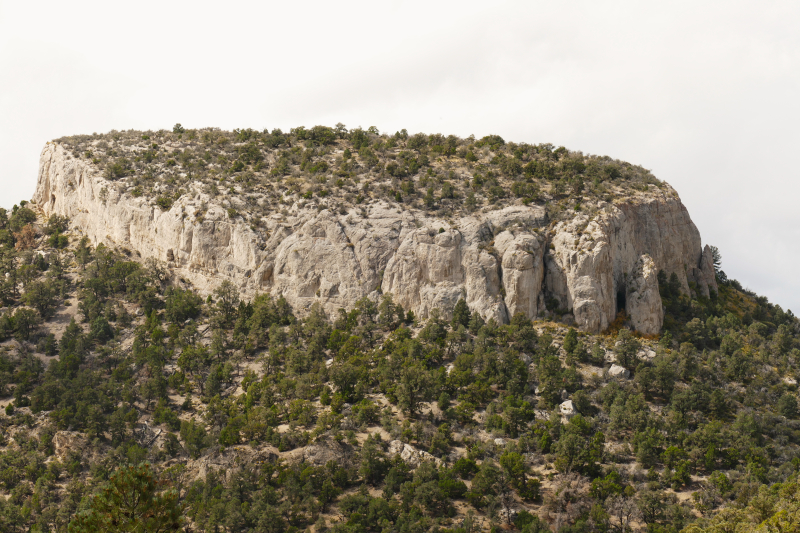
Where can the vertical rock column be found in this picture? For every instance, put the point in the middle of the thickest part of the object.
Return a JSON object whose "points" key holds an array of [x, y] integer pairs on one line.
{"points": [[643, 300]]}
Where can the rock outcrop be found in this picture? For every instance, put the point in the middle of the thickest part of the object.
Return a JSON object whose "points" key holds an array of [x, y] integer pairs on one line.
{"points": [[643, 299], [567, 410], [617, 371], [412, 456], [501, 262]]}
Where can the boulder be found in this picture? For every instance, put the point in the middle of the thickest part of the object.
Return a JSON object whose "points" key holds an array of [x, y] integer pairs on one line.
{"points": [[646, 354], [617, 371], [229, 461], [320, 454], [567, 410], [412, 456]]}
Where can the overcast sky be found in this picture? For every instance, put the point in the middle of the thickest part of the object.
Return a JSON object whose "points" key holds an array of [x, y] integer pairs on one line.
{"points": [[703, 94]]}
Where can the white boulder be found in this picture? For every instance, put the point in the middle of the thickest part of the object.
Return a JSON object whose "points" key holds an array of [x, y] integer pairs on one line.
{"points": [[617, 371]]}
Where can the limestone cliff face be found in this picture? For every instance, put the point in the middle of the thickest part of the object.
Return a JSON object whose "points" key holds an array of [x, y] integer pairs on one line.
{"points": [[594, 263], [501, 262]]}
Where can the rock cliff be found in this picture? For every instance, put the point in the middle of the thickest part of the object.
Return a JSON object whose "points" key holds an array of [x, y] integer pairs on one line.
{"points": [[501, 261]]}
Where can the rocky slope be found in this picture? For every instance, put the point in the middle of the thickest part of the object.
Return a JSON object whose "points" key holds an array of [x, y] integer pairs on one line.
{"points": [[515, 259], [254, 416]]}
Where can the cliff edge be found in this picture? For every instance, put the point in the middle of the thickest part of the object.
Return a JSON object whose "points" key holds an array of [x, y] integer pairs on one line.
{"points": [[588, 261]]}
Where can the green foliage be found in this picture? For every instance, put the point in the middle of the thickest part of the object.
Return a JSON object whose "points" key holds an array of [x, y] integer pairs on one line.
{"points": [[164, 202], [494, 142], [775, 508], [787, 406], [101, 330], [118, 169], [182, 305], [20, 217], [195, 438], [57, 240], [56, 224], [25, 322], [626, 348], [42, 296], [461, 314], [134, 499], [236, 375], [570, 341], [579, 448]]}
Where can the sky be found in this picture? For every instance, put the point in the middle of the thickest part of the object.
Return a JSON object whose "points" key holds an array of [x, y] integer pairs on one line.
{"points": [[704, 94]]}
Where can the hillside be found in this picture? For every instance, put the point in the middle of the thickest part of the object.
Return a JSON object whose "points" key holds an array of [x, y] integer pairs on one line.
{"points": [[238, 407]]}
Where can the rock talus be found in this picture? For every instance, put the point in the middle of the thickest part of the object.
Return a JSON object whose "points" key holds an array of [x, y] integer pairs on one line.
{"points": [[501, 262]]}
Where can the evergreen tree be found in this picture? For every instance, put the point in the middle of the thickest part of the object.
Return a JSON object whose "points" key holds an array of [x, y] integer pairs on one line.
{"points": [[461, 314], [133, 501]]}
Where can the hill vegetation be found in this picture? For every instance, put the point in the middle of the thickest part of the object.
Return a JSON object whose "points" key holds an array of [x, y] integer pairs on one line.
{"points": [[131, 402], [257, 173]]}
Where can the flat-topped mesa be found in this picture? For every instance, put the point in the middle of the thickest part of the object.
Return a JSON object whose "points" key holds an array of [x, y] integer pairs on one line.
{"points": [[502, 262]]}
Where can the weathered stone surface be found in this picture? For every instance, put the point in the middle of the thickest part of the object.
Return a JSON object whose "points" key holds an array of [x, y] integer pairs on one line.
{"points": [[617, 371], [643, 300], [567, 409], [704, 275], [501, 262], [65, 442], [646, 354], [523, 271], [319, 455], [227, 462], [412, 456], [587, 266]]}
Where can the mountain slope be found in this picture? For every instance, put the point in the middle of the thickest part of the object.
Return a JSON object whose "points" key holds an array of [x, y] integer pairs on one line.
{"points": [[243, 413]]}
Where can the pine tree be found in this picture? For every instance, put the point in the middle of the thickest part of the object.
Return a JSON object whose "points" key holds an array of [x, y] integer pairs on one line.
{"points": [[461, 314], [133, 500]]}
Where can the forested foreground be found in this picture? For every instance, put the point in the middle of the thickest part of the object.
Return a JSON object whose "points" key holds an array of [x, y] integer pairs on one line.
{"points": [[131, 402]]}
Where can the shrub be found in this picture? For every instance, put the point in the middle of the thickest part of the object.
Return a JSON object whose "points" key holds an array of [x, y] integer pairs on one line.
{"points": [[787, 406], [134, 499], [56, 224], [25, 322], [118, 169], [194, 437], [417, 142], [58, 241], [20, 217], [182, 305], [164, 202], [25, 238], [101, 330], [465, 468], [359, 138], [494, 142]]}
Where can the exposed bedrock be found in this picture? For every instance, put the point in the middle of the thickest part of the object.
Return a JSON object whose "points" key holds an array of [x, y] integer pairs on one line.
{"points": [[501, 262]]}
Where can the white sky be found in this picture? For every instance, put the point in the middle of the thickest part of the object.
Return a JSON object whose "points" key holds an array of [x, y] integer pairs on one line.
{"points": [[703, 93]]}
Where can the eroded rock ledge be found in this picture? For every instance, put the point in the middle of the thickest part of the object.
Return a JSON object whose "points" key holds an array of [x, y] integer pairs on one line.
{"points": [[501, 262]]}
